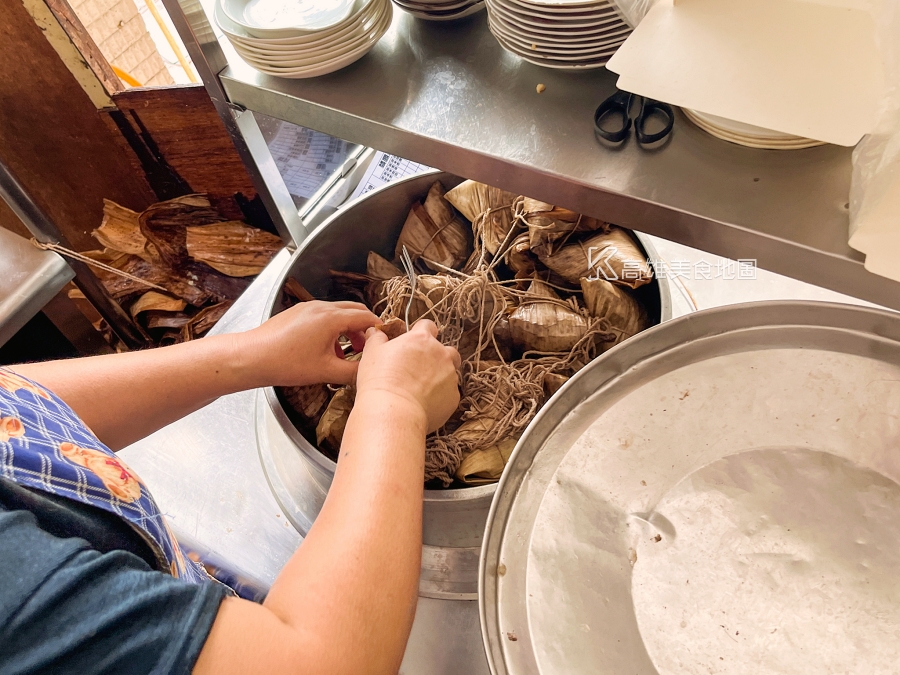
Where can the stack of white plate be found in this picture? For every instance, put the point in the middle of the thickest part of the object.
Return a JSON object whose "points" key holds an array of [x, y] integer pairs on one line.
{"points": [[440, 10], [747, 134], [562, 34], [305, 38]]}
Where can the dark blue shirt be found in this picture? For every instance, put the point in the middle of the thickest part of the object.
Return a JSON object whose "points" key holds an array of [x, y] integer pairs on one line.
{"points": [[70, 606]]}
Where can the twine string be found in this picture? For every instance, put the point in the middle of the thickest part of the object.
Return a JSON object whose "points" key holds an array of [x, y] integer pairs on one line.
{"points": [[75, 255]]}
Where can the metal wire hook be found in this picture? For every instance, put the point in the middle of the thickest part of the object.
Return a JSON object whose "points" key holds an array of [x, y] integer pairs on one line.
{"points": [[407, 263]]}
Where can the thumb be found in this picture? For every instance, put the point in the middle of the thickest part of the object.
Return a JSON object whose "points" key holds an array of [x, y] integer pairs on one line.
{"points": [[375, 337]]}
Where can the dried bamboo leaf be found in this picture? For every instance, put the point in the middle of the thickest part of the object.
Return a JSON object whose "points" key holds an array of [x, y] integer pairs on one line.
{"points": [[612, 255], [393, 328], [165, 224], [296, 290], [158, 301], [444, 241], [625, 315], [308, 402], [158, 319], [206, 318], [487, 207], [545, 326], [485, 466], [378, 267], [331, 426], [232, 247], [120, 287], [120, 230], [519, 257], [552, 382]]}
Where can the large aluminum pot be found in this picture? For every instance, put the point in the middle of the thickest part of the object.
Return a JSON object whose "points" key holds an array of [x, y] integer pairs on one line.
{"points": [[299, 474]]}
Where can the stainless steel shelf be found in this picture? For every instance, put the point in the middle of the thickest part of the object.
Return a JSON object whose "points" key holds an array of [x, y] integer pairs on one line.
{"points": [[447, 95]]}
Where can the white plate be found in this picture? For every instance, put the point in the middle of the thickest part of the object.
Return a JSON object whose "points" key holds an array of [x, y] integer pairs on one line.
{"points": [[351, 34], [473, 9], [555, 51], [530, 20], [563, 9], [303, 61], [306, 59], [554, 64], [428, 7], [437, 6], [263, 18], [288, 36], [788, 143], [568, 14], [740, 128], [330, 65], [541, 40]]}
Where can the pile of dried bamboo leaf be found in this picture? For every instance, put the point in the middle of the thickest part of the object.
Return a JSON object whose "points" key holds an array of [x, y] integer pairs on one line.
{"points": [[186, 264], [528, 292]]}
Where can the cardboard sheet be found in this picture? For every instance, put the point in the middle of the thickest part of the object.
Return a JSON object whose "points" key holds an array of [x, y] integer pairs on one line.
{"points": [[801, 67]]}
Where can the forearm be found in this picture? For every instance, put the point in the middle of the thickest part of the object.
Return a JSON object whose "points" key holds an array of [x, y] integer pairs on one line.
{"points": [[355, 577], [125, 397]]}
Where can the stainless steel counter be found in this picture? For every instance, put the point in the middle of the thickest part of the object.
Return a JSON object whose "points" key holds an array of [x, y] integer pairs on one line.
{"points": [[447, 95], [29, 278]]}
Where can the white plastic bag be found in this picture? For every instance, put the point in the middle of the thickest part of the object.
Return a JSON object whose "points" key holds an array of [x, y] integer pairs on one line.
{"points": [[634, 10], [875, 185]]}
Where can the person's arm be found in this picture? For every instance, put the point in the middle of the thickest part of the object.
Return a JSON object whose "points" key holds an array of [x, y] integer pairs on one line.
{"points": [[125, 397], [344, 603]]}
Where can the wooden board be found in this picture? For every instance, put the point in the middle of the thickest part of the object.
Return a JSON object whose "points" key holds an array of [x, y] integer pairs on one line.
{"points": [[187, 134], [52, 136]]}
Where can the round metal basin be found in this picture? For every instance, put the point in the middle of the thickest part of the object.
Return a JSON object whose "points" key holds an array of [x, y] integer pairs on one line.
{"points": [[716, 495], [299, 474]]}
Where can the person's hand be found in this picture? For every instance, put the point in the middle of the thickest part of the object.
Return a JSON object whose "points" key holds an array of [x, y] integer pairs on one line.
{"points": [[414, 367], [299, 346]]}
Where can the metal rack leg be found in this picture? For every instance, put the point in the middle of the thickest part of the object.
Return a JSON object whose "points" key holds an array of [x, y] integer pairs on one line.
{"points": [[191, 22]]}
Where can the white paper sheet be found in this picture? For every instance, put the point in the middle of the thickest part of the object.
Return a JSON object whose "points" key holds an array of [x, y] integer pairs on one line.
{"points": [[384, 169], [796, 66], [306, 158]]}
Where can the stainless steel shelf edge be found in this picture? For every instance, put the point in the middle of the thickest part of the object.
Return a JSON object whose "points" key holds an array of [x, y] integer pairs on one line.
{"points": [[450, 97]]}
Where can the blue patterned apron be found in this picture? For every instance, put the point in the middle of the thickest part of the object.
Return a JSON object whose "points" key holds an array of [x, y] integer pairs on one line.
{"points": [[44, 445]]}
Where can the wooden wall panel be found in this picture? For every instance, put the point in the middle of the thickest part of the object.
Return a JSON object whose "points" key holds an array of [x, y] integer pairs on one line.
{"points": [[52, 136], [188, 135]]}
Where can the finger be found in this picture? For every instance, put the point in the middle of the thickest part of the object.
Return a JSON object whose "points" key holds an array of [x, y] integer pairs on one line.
{"points": [[349, 304], [454, 354], [427, 326], [356, 321], [375, 337], [358, 340]]}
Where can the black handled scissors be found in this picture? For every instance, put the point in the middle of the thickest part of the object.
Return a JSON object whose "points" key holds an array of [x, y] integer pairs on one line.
{"points": [[621, 103]]}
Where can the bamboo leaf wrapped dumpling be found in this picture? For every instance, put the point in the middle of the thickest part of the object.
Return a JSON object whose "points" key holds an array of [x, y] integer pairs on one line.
{"points": [[626, 316], [549, 225], [545, 325], [612, 255], [434, 233], [477, 202]]}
